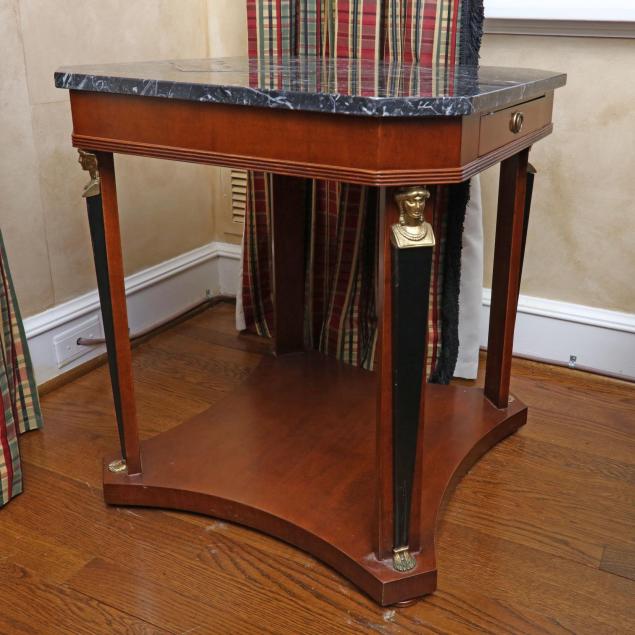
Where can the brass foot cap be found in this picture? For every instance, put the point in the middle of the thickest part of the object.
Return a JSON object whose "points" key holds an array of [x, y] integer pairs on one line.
{"points": [[405, 603], [403, 560], [117, 466]]}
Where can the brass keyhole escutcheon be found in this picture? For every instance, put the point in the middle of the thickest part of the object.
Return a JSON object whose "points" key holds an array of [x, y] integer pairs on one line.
{"points": [[516, 123]]}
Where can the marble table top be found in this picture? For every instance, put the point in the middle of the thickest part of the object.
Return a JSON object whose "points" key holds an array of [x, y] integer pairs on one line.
{"points": [[353, 87]]}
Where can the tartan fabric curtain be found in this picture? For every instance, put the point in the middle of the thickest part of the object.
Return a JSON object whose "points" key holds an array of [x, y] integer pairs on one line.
{"points": [[342, 248], [19, 404]]}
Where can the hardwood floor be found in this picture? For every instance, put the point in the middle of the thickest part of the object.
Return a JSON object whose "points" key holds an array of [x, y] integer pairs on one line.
{"points": [[538, 538]]}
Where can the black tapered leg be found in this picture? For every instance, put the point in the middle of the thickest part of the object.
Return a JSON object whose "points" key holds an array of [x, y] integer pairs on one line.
{"points": [[411, 269], [98, 239], [531, 175]]}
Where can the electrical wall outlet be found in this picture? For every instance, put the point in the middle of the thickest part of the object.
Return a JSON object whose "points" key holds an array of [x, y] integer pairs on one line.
{"points": [[66, 348]]}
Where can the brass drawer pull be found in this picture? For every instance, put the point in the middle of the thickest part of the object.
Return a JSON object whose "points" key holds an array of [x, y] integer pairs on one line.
{"points": [[510, 124], [516, 122]]}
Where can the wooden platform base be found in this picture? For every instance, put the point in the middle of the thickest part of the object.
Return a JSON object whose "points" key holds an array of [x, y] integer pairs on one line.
{"points": [[291, 453]]}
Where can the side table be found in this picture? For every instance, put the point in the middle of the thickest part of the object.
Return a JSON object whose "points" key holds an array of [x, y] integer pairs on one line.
{"points": [[350, 465]]}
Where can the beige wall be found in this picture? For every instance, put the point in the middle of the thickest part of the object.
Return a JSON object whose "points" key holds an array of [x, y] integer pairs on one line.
{"points": [[227, 38], [166, 208], [580, 246], [21, 216]]}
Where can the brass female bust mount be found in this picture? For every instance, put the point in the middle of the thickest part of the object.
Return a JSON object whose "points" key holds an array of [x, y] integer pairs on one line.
{"points": [[88, 161], [412, 229]]}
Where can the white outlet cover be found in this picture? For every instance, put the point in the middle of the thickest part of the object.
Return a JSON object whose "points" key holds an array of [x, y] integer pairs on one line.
{"points": [[65, 343]]}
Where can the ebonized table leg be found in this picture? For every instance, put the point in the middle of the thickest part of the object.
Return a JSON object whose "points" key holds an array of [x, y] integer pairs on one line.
{"points": [[106, 242], [529, 190], [511, 226], [98, 240], [404, 335]]}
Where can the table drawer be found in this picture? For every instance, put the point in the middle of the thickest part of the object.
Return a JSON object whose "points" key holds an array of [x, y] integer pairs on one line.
{"points": [[503, 126]]}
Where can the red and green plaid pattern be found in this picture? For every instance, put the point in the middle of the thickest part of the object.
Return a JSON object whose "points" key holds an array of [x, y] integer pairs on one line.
{"points": [[355, 29], [424, 31], [341, 268], [257, 287], [341, 272], [19, 404], [271, 28]]}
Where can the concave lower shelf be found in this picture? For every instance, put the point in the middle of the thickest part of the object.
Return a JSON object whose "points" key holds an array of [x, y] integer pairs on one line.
{"points": [[291, 452]]}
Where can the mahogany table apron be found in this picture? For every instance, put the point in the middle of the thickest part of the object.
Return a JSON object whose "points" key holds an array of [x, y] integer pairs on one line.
{"points": [[350, 465]]}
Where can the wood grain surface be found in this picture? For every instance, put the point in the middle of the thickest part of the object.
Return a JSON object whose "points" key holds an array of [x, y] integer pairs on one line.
{"points": [[537, 538], [290, 452], [508, 253], [378, 150], [289, 261]]}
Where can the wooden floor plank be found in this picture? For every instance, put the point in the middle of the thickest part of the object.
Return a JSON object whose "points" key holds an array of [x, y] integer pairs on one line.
{"points": [[538, 537], [619, 560], [566, 512], [181, 608], [35, 607], [580, 598], [35, 552]]}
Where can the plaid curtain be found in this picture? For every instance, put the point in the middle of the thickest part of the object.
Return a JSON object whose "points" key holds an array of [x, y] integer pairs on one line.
{"points": [[341, 267], [19, 404]]}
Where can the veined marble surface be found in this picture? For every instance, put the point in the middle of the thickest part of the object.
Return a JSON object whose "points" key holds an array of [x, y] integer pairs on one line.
{"points": [[353, 87]]}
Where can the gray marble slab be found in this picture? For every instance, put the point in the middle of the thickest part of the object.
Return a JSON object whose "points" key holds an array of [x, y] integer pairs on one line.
{"points": [[352, 87]]}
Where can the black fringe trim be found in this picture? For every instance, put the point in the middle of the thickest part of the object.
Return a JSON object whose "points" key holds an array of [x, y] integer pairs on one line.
{"points": [[472, 16], [458, 196]]}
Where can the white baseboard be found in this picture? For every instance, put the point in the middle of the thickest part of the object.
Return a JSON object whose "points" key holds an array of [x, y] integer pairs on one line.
{"points": [[560, 28], [153, 294], [601, 341]]}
